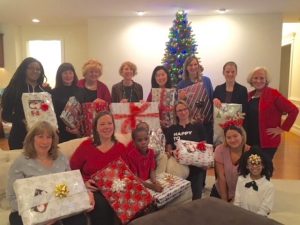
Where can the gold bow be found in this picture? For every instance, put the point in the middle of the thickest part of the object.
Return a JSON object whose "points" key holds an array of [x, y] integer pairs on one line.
{"points": [[61, 190]]}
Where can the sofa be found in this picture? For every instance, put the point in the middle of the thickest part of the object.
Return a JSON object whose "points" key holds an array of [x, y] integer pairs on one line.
{"points": [[206, 211], [67, 148]]}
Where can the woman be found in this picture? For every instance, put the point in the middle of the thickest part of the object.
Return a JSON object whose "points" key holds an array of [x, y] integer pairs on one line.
{"points": [[230, 91], [66, 87], [192, 73], [127, 90], [266, 106], [160, 79], [186, 130], [28, 78], [94, 90], [93, 155], [227, 157], [40, 157]]}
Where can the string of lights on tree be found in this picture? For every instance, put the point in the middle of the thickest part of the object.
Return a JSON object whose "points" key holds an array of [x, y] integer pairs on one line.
{"points": [[181, 44]]}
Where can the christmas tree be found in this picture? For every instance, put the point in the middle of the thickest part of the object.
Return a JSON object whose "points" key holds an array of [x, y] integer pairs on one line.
{"points": [[181, 45]]}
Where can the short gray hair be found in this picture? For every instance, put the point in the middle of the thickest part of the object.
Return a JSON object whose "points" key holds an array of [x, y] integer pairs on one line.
{"points": [[266, 72]]}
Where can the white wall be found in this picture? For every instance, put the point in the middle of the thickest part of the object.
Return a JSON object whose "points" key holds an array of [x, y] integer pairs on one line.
{"points": [[250, 40], [292, 32]]}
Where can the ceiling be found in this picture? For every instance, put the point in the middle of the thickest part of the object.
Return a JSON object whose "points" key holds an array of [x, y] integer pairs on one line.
{"points": [[53, 12]]}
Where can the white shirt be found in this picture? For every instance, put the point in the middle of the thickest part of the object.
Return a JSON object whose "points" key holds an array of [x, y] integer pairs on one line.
{"points": [[261, 201]]}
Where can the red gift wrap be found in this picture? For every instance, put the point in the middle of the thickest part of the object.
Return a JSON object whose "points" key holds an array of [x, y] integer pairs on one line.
{"points": [[123, 190], [89, 111]]}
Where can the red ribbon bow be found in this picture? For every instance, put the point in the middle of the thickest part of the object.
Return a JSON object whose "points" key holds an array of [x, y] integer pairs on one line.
{"points": [[131, 118], [201, 146], [44, 107]]}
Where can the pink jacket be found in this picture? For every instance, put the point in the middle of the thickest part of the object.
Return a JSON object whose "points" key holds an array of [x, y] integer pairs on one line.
{"points": [[272, 106]]}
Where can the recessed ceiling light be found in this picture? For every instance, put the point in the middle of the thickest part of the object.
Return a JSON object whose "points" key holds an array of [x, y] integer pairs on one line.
{"points": [[35, 20], [140, 13], [222, 10]]}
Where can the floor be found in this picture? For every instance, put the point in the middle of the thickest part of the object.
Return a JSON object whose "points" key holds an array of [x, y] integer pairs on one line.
{"points": [[286, 160]]}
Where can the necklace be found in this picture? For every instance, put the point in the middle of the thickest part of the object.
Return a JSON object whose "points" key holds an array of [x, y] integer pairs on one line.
{"points": [[125, 94]]}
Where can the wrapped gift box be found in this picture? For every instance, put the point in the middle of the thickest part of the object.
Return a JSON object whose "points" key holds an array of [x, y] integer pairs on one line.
{"points": [[166, 99], [38, 106], [173, 187], [123, 190], [127, 115], [223, 115], [193, 153], [198, 102], [54, 196], [72, 113], [157, 141], [89, 111]]}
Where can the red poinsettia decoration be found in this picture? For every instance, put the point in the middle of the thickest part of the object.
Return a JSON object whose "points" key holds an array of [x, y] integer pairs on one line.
{"points": [[201, 146], [44, 106]]}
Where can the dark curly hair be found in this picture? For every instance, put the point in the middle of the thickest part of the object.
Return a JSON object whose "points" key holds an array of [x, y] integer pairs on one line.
{"points": [[267, 170]]}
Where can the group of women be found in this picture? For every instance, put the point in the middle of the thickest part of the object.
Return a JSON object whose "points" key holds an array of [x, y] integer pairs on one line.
{"points": [[264, 107]]}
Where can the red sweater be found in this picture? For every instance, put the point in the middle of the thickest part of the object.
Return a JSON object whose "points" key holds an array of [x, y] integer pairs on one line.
{"points": [[102, 90], [272, 106], [88, 159]]}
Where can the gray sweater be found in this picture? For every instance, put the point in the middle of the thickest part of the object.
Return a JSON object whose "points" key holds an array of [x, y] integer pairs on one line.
{"points": [[24, 167]]}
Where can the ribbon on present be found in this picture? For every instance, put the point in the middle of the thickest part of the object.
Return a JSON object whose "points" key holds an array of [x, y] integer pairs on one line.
{"points": [[44, 106], [162, 107], [131, 118], [201, 146], [61, 190]]}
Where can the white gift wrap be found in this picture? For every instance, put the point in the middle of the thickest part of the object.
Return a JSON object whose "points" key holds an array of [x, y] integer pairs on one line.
{"points": [[221, 115], [188, 154], [37, 203], [157, 141], [173, 187], [34, 111], [128, 114], [72, 113]]}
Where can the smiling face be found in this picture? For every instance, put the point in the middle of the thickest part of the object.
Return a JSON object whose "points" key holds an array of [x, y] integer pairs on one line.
{"points": [[127, 72], [193, 69], [161, 78], [42, 143], [92, 75], [33, 72], [255, 169], [230, 73], [67, 77], [259, 79], [182, 112], [141, 141], [233, 139], [105, 127]]}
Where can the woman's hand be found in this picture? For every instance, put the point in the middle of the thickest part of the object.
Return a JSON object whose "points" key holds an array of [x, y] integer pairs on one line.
{"points": [[91, 185], [274, 131], [182, 95], [124, 100], [92, 201], [217, 102]]}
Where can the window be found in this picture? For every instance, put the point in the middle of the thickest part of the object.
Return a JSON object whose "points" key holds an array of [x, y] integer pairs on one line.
{"points": [[49, 53]]}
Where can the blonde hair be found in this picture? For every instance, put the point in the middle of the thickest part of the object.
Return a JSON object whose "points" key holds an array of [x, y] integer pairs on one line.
{"points": [[188, 60], [130, 65], [264, 69], [92, 64], [40, 127], [240, 130]]}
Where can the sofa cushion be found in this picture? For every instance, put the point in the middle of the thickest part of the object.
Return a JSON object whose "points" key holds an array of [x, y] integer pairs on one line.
{"points": [[208, 211]]}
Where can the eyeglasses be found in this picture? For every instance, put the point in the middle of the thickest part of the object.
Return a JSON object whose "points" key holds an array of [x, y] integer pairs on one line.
{"points": [[181, 110]]}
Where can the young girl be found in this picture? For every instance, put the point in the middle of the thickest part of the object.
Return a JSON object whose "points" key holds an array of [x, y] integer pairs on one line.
{"points": [[254, 191], [141, 159]]}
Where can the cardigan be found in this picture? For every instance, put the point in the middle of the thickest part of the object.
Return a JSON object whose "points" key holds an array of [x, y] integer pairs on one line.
{"points": [[239, 94], [117, 91], [272, 105], [102, 90]]}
